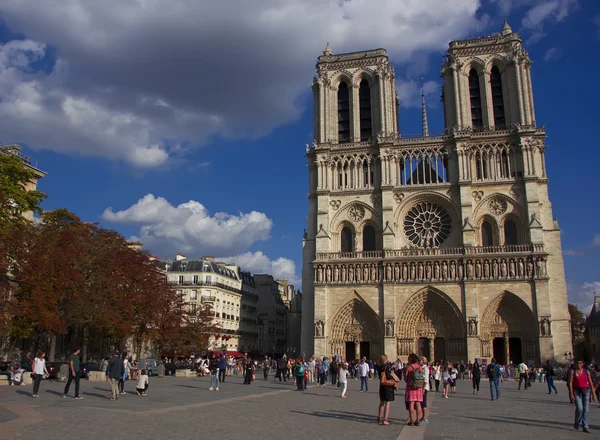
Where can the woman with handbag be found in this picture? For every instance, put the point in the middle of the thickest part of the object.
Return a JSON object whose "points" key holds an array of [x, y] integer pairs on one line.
{"points": [[39, 370], [387, 386]]}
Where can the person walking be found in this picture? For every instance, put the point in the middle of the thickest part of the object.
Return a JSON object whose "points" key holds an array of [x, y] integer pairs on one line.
{"points": [[363, 371], [114, 374], [523, 375], [445, 368], [388, 383], [222, 367], [311, 370], [299, 370], [213, 367], [343, 378], [266, 368], [320, 373], [74, 374], [581, 387], [125, 373], [494, 375], [437, 375], [415, 382], [249, 374], [476, 377], [549, 372], [426, 388], [39, 370]]}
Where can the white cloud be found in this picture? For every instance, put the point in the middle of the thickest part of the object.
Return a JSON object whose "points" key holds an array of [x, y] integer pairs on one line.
{"points": [[190, 228], [134, 78], [257, 262], [552, 54], [546, 11], [409, 92], [596, 240], [583, 295]]}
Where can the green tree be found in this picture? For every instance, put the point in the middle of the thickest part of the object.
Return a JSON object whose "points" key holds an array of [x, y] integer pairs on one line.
{"points": [[577, 323]]}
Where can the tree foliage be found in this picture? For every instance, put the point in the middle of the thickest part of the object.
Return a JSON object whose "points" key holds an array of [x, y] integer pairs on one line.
{"points": [[577, 323]]}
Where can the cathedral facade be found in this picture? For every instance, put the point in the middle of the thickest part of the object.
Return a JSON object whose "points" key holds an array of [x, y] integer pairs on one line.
{"points": [[444, 246]]}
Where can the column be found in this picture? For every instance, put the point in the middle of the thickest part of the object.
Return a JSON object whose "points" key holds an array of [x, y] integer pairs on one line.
{"points": [[431, 350], [506, 349]]}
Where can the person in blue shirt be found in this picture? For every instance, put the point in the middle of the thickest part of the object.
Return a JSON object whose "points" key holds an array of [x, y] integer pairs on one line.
{"points": [[222, 367], [494, 375]]}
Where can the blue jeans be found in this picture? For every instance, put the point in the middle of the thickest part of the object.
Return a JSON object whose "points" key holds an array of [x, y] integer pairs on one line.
{"points": [[495, 385], [364, 380], [214, 380], [582, 406], [550, 380]]}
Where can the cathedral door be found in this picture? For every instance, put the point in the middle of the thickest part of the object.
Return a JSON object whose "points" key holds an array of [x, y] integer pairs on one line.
{"points": [[350, 351], [439, 348], [515, 349], [365, 349], [499, 348], [424, 348]]}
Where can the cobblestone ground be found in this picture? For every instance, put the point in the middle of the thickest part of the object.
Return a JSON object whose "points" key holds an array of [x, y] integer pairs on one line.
{"points": [[177, 407]]}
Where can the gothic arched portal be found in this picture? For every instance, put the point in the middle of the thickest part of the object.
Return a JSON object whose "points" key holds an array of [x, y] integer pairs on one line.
{"points": [[430, 324], [509, 331], [355, 331]]}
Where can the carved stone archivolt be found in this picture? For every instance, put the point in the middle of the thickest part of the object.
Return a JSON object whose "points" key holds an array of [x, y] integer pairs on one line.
{"points": [[355, 321], [426, 270], [507, 315]]}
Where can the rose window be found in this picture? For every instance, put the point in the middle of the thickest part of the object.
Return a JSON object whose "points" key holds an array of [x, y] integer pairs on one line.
{"points": [[427, 225]]}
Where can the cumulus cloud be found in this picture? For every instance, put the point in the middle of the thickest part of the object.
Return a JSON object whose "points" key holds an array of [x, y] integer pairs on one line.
{"points": [[552, 54], [596, 240], [546, 11], [583, 295], [257, 262], [409, 91], [132, 79], [190, 228]]}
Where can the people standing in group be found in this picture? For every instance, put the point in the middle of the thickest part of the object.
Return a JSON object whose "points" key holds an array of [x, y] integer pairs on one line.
{"points": [[523, 375], [114, 374], [142, 383], [364, 375], [415, 382], [549, 373], [494, 375], [74, 373], [343, 378], [426, 388], [388, 383], [476, 377], [39, 370], [581, 387]]}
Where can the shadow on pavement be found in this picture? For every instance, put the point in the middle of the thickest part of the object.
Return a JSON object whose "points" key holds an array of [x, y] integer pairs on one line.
{"points": [[99, 396], [526, 422], [353, 417]]}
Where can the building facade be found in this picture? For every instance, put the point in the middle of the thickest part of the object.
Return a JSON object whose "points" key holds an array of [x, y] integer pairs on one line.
{"points": [[205, 281], [592, 331], [248, 331], [444, 246], [272, 314]]}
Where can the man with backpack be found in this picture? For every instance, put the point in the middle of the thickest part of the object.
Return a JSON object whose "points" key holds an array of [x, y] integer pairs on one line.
{"points": [[494, 375]]}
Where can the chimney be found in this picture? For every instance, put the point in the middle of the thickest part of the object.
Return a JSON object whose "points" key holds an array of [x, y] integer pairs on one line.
{"points": [[180, 257], [208, 258]]}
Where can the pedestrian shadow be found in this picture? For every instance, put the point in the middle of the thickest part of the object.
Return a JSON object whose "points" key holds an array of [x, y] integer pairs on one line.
{"points": [[24, 393], [103, 389], [191, 386], [98, 396], [353, 417], [56, 393], [525, 422]]}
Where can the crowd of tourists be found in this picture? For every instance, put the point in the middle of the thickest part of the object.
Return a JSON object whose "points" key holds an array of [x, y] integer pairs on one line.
{"points": [[420, 377]]}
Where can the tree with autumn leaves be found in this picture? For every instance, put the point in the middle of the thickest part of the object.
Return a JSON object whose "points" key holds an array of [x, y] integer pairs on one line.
{"points": [[88, 286]]}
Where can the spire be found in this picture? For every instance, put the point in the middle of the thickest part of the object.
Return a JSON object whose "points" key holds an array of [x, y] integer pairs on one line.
{"points": [[424, 111], [328, 52], [506, 29]]}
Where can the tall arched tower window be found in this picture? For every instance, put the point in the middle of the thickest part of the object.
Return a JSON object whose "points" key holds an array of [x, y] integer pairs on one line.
{"points": [[343, 113], [510, 233], [364, 98], [369, 239], [487, 234], [497, 98], [346, 240], [475, 95]]}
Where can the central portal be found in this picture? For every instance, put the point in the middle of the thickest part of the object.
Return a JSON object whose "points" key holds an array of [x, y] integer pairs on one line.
{"points": [[424, 348], [350, 351], [365, 351]]}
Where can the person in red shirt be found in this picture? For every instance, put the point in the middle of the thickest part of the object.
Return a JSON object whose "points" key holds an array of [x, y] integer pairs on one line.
{"points": [[581, 387]]}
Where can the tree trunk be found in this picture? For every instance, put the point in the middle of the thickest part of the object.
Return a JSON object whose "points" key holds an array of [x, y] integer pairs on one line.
{"points": [[52, 348], [84, 343]]}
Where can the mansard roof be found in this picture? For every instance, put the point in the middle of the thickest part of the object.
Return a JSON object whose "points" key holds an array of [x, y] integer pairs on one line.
{"points": [[201, 266]]}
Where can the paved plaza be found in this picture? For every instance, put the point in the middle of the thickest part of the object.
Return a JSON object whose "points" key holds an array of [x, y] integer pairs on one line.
{"points": [[185, 408]]}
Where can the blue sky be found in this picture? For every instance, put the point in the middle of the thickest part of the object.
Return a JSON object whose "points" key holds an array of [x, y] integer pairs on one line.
{"points": [[135, 110]]}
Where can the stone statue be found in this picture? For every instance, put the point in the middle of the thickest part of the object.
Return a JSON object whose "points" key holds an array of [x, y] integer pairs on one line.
{"points": [[343, 273], [404, 272], [452, 270], [444, 270], [366, 273], [495, 269], [461, 271], [486, 269], [478, 269], [358, 273], [351, 274], [529, 268], [472, 327], [373, 272], [336, 274], [546, 327], [328, 274], [320, 274], [396, 272], [389, 328], [420, 271], [521, 268], [538, 267], [319, 329], [469, 270], [544, 269], [503, 269], [428, 271], [511, 268], [412, 271], [436, 270], [388, 272]]}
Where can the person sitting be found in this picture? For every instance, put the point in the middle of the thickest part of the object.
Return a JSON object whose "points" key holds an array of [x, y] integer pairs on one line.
{"points": [[142, 384]]}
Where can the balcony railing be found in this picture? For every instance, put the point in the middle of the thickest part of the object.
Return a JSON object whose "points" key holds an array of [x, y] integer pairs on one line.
{"points": [[204, 284], [208, 299], [433, 252]]}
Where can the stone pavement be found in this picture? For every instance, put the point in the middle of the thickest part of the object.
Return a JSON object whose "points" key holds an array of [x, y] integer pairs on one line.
{"points": [[177, 407]]}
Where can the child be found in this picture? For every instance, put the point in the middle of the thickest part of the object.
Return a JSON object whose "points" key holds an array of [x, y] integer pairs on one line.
{"points": [[142, 384]]}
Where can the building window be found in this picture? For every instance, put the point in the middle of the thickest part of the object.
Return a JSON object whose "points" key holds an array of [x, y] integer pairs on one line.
{"points": [[193, 308], [208, 280], [194, 294], [180, 279], [497, 98], [195, 279], [347, 241], [481, 164], [487, 234], [510, 233], [364, 98], [343, 97], [369, 238], [475, 95]]}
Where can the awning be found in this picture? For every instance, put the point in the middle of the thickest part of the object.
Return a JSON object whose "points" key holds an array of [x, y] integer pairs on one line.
{"points": [[234, 354]]}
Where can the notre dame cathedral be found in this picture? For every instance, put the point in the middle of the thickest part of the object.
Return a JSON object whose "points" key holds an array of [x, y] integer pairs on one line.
{"points": [[444, 246]]}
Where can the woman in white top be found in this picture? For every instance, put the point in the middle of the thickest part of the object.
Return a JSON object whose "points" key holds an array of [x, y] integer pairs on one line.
{"points": [[453, 377], [39, 370], [437, 375], [446, 379], [343, 378], [142, 383]]}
